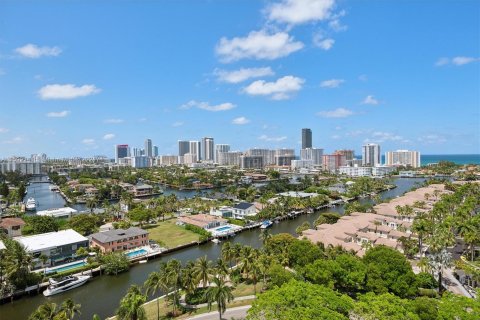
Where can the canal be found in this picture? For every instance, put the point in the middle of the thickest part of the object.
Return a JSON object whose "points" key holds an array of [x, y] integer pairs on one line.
{"points": [[101, 295]]}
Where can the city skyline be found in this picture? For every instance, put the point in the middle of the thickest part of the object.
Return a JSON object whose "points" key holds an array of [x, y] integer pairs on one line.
{"points": [[255, 73]]}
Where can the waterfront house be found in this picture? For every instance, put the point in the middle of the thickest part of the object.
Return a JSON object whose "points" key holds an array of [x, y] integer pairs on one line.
{"points": [[119, 239], [142, 190], [244, 210], [60, 213], [58, 247], [12, 227], [224, 212], [203, 221], [91, 192]]}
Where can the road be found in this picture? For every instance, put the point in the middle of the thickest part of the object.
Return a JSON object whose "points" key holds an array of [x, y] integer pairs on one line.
{"points": [[236, 313]]}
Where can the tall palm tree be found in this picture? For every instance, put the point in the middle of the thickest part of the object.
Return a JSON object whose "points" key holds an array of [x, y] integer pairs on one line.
{"points": [[189, 281], [264, 262], [248, 258], [70, 308], [91, 204], [227, 252], [202, 270], [221, 268], [155, 282], [131, 305], [220, 293], [265, 236], [46, 311], [173, 274], [438, 262], [421, 226]]}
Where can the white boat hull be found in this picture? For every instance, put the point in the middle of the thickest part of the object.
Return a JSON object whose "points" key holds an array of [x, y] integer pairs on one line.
{"points": [[76, 284]]}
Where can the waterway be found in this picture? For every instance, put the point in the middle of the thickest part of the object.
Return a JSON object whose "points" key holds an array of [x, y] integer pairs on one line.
{"points": [[101, 295]]}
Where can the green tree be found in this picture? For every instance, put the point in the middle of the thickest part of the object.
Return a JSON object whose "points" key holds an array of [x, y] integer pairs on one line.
{"points": [[452, 306], [115, 263], [219, 292], [84, 224], [300, 300], [69, 308], [304, 226], [202, 270], [154, 283], [40, 224], [131, 305], [389, 271], [384, 306], [140, 215], [327, 217], [303, 252]]}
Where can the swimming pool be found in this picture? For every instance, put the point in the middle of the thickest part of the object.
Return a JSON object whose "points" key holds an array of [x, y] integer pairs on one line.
{"points": [[136, 253], [67, 267], [224, 228]]}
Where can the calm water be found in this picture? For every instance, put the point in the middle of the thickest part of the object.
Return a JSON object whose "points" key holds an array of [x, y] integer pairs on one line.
{"points": [[102, 294]]}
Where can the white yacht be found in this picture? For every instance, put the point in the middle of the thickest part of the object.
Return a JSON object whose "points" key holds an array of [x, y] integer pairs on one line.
{"points": [[64, 284], [266, 224], [31, 204]]}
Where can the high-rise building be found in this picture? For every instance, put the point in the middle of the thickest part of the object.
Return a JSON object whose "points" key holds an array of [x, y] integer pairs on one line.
{"points": [[349, 154], [155, 151], [371, 155], [251, 162], [313, 154], [403, 158], [332, 162], [183, 147], [121, 151], [148, 148], [306, 138], [221, 148], [267, 155], [284, 157], [230, 158], [196, 149], [208, 151]]}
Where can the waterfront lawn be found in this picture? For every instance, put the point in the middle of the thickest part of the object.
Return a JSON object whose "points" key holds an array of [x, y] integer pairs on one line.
{"points": [[232, 304], [246, 289], [168, 234]]}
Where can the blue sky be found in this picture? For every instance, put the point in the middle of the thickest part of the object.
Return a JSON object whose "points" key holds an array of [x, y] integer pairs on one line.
{"points": [[78, 77]]}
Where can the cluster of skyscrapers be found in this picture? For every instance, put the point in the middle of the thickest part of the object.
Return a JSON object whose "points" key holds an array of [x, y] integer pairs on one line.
{"points": [[203, 152]]}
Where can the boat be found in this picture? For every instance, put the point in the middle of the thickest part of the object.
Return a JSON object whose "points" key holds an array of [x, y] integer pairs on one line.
{"points": [[31, 204], [64, 284], [54, 188], [216, 241], [142, 261], [266, 224]]}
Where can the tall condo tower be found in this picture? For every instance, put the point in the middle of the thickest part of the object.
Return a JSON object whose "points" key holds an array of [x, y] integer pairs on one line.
{"points": [[306, 138], [208, 151], [148, 148], [121, 151], [183, 147], [371, 155]]}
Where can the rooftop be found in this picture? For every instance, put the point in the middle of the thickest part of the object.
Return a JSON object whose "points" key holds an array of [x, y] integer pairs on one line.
{"points": [[11, 222], [50, 240], [59, 212], [117, 234], [243, 205]]}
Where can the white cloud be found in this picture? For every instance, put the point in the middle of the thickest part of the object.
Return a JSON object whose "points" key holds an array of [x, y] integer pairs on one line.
{"points": [[337, 113], [206, 106], [363, 77], [15, 140], [275, 139], [4, 130], [240, 120], [336, 136], [108, 136], [332, 83], [177, 124], [257, 45], [380, 136], [300, 11], [336, 25], [460, 61], [66, 91], [321, 42], [278, 90], [113, 120], [88, 141], [370, 100], [60, 114], [242, 74], [457, 61], [33, 51], [432, 139]]}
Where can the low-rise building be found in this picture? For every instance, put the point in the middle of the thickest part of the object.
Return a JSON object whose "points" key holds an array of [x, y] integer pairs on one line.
{"points": [[224, 212], [12, 227], [119, 239], [58, 247], [61, 213], [203, 221], [143, 190], [244, 210]]}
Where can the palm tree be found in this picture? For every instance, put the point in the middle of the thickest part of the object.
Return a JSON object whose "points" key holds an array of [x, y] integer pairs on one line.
{"points": [[421, 226], [47, 311], [227, 252], [264, 263], [220, 293], [202, 270], [131, 305], [221, 268], [70, 308], [189, 281], [154, 283], [265, 236], [91, 204], [173, 274], [248, 258], [255, 273], [438, 261]]}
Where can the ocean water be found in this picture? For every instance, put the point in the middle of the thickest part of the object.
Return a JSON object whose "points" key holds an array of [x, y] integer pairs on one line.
{"points": [[456, 158]]}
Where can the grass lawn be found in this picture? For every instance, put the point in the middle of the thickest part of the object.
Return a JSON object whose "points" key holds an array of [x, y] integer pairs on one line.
{"points": [[232, 304], [244, 289], [171, 235]]}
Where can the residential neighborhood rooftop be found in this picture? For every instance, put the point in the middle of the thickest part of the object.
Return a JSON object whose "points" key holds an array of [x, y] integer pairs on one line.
{"points": [[117, 234], [49, 240]]}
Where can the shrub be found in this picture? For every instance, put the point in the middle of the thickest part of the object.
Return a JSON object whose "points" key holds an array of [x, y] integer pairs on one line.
{"points": [[197, 297]]}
